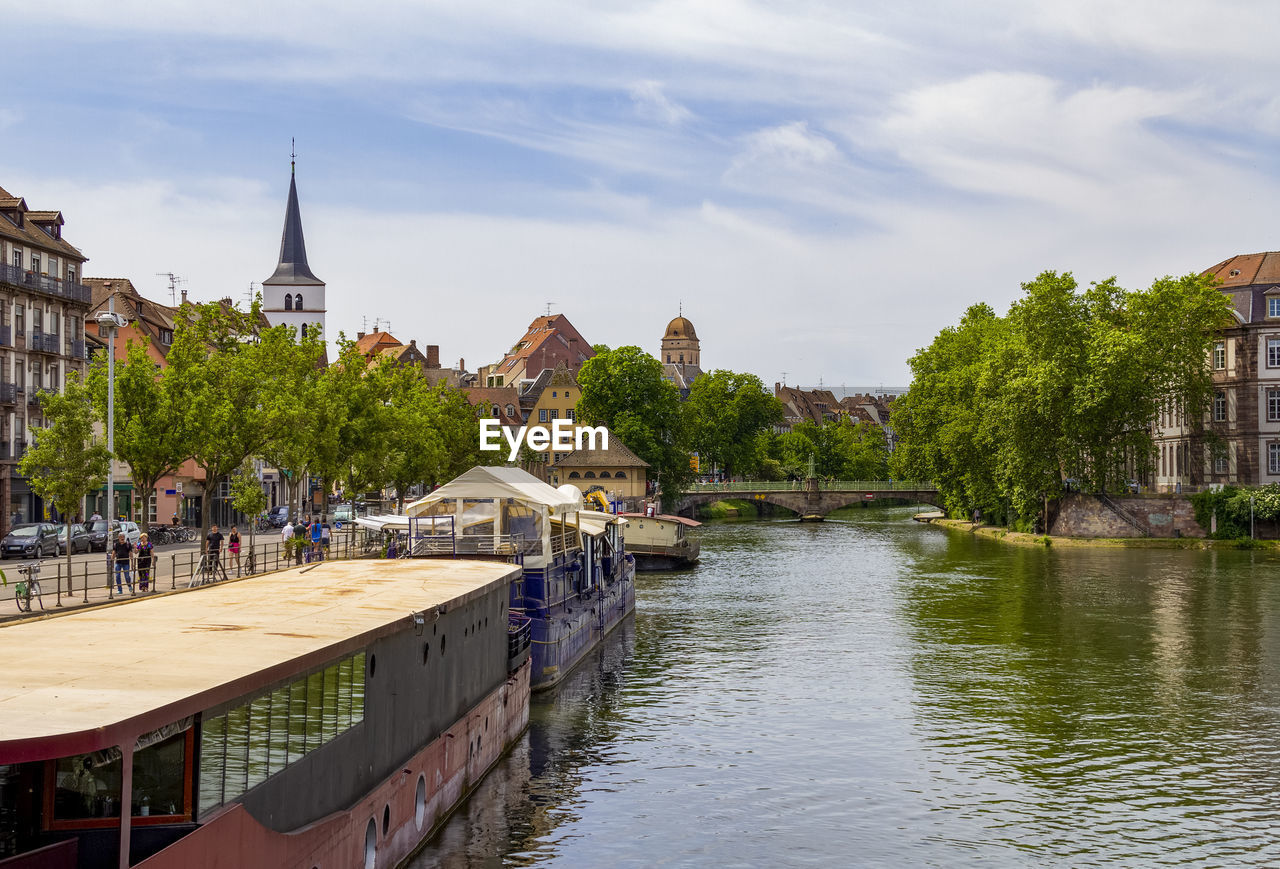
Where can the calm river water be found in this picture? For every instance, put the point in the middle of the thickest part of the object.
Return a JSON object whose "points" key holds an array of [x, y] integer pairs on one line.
{"points": [[870, 691]]}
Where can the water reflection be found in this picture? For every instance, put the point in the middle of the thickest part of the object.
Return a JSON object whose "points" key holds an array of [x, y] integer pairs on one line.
{"points": [[871, 691]]}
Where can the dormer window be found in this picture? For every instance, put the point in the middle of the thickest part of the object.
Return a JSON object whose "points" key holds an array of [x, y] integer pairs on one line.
{"points": [[1273, 306], [288, 301], [496, 412], [1235, 272], [166, 336], [511, 411]]}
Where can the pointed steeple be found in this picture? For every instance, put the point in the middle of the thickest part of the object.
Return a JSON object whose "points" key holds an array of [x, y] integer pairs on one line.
{"points": [[293, 268]]}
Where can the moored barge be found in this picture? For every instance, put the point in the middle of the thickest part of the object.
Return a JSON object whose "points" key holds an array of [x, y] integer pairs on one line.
{"points": [[660, 542], [325, 716]]}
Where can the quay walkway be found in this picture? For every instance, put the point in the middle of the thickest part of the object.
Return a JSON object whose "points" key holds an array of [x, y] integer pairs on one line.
{"points": [[811, 499]]}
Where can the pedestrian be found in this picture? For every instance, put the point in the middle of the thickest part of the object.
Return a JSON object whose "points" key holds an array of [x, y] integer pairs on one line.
{"points": [[233, 546], [121, 550], [143, 562], [300, 538], [317, 535], [213, 546], [96, 515], [391, 547], [286, 533], [174, 521], [326, 534]]}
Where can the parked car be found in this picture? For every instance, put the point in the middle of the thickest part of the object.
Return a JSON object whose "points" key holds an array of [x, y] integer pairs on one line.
{"points": [[33, 540], [98, 537], [278, 515], [80, 541]]}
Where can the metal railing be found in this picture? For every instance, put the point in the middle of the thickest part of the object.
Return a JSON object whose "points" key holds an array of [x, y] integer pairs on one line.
{"points": [[6, 336], [8, 393], [44, 342], [823, 485], [28, 280], [93, 579]]}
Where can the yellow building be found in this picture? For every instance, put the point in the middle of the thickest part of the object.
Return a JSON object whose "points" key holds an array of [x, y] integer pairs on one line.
{"points": [[617, 470], [553, 398]]}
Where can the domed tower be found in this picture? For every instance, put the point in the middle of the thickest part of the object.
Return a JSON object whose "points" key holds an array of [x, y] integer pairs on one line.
{"points": [[680, 345]]}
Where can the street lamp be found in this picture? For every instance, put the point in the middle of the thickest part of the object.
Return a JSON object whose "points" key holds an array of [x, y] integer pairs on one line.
{"points": [[110, 322]]}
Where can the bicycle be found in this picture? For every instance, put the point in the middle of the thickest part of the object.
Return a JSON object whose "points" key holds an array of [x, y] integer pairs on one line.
{"points": [[23, 591]]}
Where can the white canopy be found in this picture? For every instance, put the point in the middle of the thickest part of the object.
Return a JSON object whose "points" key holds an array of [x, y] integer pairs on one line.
{"points": [[498, 482]]}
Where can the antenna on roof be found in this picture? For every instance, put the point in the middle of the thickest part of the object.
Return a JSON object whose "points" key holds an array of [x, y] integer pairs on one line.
{"points": [[549, 304], [364, 323], [293, 156], [784, 378], [252, 292], [682, 307], [174, 280]]}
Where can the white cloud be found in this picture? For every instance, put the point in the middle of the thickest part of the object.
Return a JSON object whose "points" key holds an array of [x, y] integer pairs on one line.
{"points": [[652, 103]]}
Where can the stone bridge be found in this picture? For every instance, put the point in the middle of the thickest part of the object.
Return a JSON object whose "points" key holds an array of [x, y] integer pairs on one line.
{"points": [[811, 499]]}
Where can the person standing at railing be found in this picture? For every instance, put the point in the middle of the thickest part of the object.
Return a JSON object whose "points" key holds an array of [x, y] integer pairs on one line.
{"points": [[121, 550], [143, 562], [233, 546], [317, 535], [213, 547]]}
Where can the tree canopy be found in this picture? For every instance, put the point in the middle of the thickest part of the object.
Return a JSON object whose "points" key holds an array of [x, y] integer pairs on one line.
{"points": [[1004, 411]]}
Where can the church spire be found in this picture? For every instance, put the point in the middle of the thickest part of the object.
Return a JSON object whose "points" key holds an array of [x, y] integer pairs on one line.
{"points": [[293, 268]]}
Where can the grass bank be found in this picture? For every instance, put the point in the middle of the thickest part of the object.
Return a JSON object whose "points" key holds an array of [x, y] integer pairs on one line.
{"points": [[1019, 538], [730, 508]]}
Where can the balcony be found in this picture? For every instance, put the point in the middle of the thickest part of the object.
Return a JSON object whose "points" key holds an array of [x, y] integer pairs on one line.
{"points": [[76, 350], [42, 342], [19, 447], [6, 336], [30, 281], [33, 395], [8, 393]]}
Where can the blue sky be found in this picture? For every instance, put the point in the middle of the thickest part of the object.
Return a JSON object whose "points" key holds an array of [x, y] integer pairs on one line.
{"points": [[823, 186]]}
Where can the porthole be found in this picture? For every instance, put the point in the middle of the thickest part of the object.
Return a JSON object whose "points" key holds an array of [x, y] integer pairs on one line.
{"points": [[370, 845], [373, 665], [420, 803], [386, 819]]}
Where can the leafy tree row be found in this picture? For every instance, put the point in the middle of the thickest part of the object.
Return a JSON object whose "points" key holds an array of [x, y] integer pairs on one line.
{"points": [[1004, 411], [231, 391]]}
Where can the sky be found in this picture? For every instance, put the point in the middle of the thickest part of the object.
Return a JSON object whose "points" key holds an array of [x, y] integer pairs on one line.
{"points": [[821, 186]]}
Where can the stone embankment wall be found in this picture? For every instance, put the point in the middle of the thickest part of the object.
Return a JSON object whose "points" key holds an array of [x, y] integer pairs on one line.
{"points": [[1159, 515]]}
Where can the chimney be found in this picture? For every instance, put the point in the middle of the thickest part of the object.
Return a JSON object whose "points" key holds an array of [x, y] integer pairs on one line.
{"points": [[359, 335], [433, 356], [777, 387], [184, 295], [462, 364]]}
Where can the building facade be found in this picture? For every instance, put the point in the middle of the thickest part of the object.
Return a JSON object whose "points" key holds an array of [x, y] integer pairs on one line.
{"points": [[681, 355], [43, 306], [1238, 442], [549, 341], [293, 295]]}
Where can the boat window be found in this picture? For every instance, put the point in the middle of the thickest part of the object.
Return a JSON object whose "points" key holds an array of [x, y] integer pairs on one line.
{"points": [[86, 788], [257, 739]]}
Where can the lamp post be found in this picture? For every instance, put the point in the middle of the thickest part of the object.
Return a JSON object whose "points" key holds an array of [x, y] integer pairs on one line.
{"points": [[1251, 517], [111, 322]]}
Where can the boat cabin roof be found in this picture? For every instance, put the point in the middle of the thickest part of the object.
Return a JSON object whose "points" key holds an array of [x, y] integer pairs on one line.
{"points": [[667, 517], [98, 677], [496, 483]]}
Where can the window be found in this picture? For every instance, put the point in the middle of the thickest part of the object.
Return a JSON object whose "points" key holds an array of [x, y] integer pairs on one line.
{"points": [[1273, 306], [619, 475], [555, 414], [571, 415], [496, 411], [1273, 352], [1273, 405], [20, 318], [511, 411], [573, 475], [681, 358], [288, 301], [1219, 407], [35, 262], [604, 475], [542, 415], [297, 302], [668, 357], [1219, 355], [83, 788], [151, 509], [1220, 464], [252, 742], [553, 393], [589, 475], [17, 257], [53, 322], [37, 318], [166, 336], [1273, 458], [71, 274]]}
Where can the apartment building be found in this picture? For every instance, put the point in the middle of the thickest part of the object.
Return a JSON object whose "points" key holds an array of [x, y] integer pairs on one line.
{"points": [[43, 305]]}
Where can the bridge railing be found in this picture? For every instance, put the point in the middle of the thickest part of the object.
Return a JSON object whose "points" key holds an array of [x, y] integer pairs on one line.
{"points": [[823, 485]]}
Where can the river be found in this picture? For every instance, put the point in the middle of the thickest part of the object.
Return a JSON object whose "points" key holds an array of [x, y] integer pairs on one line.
{"points": [[870, 691]]}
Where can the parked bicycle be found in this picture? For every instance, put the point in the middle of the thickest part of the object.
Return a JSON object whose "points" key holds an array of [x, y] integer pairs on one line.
{"points": [[28, 587]]}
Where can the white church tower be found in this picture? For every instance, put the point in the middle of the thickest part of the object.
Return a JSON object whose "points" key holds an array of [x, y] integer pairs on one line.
{"points": [[293, 295]]}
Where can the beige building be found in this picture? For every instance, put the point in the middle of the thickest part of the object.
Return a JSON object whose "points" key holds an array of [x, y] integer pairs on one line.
{"points": [[681, 355], [617, 470], [43, 305]]}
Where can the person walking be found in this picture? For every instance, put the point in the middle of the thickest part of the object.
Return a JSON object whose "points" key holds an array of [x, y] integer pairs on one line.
{"points": [[213, 547], [233, 546], [299, 535], [121, 550], [317, 535], [326, 535], [143, 562]]}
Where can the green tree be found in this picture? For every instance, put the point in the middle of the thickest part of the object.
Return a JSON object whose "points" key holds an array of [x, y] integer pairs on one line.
{"points": [[67, 460], [151, 416], [241, 397], [723, 416], [624, 390], [248, 496]]}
